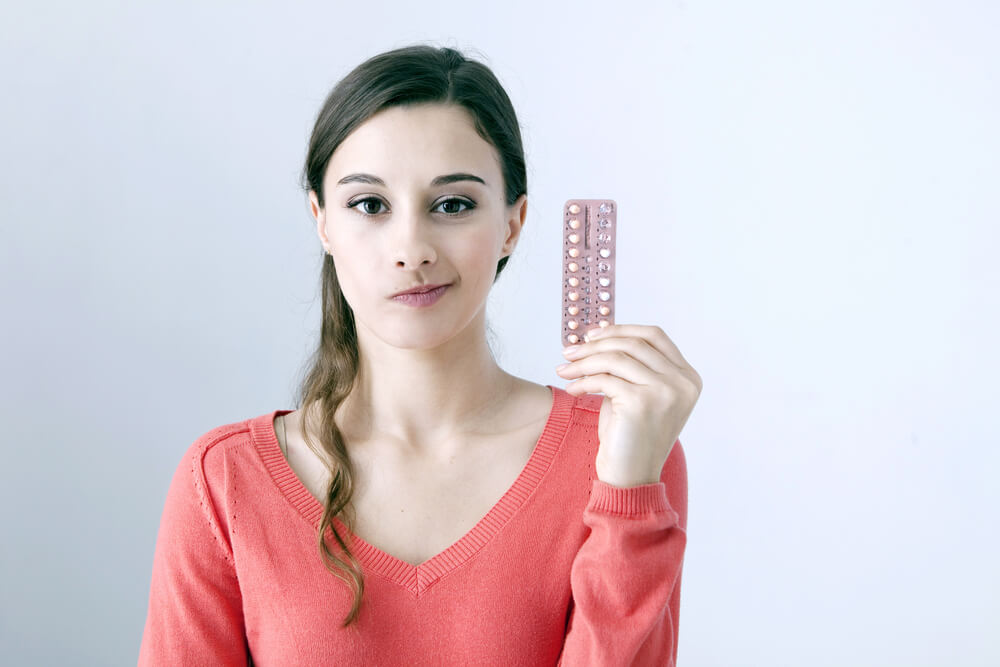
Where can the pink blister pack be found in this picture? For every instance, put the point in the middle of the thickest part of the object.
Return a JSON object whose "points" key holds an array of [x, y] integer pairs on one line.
{"points": [[588, 284]]}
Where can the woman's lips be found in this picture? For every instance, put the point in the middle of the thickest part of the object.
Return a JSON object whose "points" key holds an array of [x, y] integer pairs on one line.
{"points": [[422, 299]]}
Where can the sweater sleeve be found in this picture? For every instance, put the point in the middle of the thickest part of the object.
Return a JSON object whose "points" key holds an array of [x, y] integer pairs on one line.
{"points": [[195, 612], [625, 579]]}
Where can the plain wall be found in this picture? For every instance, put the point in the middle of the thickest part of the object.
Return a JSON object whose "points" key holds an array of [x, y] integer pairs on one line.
{"points": [[808, 208]]}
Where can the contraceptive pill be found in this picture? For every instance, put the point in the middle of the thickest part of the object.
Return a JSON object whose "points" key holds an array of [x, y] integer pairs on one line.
{"points": [[588, 260]]}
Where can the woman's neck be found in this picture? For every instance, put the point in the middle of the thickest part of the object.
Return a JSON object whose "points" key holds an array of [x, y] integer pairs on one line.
{"points": [[429, 399]]}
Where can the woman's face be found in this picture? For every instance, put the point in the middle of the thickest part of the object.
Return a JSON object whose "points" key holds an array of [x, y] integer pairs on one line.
{"points": [[391, 228]]}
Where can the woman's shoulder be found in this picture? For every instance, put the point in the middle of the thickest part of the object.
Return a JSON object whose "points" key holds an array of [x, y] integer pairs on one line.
{"points": [[214, 450], [533, 393], [218, 438], [543, 399], [219, 465]]}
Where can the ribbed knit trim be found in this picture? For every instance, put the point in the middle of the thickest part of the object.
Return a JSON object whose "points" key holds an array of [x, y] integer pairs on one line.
{"points": [[631, 502], [418, 578]]}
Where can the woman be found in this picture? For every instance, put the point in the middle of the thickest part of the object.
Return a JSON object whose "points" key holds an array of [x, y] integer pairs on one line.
{"points": [[482, 518]]}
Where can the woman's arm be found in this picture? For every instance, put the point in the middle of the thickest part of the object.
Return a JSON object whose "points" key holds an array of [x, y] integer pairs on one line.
{"points": [[626, 577], [195, 612]]}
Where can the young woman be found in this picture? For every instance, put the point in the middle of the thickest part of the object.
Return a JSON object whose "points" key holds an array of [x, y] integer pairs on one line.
{"points": [[423, 506]]}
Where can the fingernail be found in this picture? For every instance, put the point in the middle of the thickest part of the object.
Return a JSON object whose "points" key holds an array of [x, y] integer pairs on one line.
{"points": [[561, 366], [572, 349]]}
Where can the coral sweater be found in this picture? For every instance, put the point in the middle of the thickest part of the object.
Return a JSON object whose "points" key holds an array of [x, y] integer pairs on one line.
{"points": [[564, 570]]}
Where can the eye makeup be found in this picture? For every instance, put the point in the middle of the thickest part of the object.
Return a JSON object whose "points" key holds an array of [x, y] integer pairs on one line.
{"points": [[588, 260]]}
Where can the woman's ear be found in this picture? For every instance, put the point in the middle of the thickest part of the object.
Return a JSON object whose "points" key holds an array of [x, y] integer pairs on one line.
{"points": [[320, 214], [517, 213]]}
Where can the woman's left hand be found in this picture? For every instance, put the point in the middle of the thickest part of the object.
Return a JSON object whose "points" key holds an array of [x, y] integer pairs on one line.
{"points": [[652, 391]]}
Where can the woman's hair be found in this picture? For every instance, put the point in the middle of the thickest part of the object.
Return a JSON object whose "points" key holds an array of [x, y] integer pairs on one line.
{"points": [[404, 76]]}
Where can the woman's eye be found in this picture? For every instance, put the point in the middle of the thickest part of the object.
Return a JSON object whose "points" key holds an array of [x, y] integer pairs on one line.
{"points": [[467, 204], [365, 208]]}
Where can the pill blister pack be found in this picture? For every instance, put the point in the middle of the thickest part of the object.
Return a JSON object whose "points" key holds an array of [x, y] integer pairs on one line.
{"points": [[588, 280]]}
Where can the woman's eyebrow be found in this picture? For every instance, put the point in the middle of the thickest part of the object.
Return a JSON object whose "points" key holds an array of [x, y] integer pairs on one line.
{"points": [[440, 180], [453, 178]]}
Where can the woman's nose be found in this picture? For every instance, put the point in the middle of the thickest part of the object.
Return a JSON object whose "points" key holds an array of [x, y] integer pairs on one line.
{"points": [[412, 242]]}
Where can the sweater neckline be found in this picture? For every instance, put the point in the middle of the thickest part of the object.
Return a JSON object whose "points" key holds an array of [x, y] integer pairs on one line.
{"points": [[417, 578]]}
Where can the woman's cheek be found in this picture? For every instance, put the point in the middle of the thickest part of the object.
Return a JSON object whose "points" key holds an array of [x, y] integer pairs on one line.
{"points": [[347, 277]]}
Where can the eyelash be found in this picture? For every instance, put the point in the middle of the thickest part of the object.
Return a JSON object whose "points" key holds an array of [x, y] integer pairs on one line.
{"points": [[469, 205]]}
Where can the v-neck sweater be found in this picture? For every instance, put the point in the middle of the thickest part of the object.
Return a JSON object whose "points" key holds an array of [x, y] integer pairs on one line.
{"points": [[564, 569]]}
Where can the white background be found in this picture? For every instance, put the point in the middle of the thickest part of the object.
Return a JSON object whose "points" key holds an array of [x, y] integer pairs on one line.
{"points": [[808, 207]]}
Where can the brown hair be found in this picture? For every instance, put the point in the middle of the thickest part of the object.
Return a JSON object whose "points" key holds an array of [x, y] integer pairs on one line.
{"points": [[409, 75]]}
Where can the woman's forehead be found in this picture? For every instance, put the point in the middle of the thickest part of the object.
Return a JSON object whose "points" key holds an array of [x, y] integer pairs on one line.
{"points": [[414, 145]]}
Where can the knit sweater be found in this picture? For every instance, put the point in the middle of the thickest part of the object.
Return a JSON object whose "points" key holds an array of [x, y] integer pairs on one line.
{"points": [[564, 570]]}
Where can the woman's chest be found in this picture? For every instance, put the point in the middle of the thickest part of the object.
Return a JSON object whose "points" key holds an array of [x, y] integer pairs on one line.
{"points": [[415, 512], [414, 509]]}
